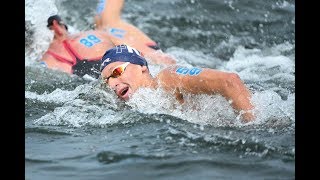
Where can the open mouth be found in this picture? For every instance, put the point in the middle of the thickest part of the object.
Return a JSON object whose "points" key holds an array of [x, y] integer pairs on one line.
{"points": [[124, 91]]}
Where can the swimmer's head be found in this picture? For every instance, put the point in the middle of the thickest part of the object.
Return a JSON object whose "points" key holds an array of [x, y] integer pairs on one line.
{"points": [[123, 53], [57, 18]]}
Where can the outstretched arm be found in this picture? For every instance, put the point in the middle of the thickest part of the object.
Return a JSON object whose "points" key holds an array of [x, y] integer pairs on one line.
{"points": [[210, 81], [108, 18]]}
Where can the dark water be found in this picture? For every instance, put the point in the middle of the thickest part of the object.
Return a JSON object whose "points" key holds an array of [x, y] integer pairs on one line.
{"points": [[75, 128]]}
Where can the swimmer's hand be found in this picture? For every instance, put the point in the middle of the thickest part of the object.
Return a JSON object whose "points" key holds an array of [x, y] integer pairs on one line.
{"points": [[247, 116]]}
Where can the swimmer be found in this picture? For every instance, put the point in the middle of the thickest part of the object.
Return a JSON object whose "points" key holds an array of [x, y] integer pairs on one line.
{"points": [[80, 53], [125, 70]]}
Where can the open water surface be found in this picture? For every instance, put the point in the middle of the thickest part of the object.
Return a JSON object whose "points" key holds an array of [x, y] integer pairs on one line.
{"points": [[75, 128]]}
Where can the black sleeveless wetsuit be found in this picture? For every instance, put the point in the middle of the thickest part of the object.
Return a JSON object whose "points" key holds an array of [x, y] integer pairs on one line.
{"points": [[80, 66]]}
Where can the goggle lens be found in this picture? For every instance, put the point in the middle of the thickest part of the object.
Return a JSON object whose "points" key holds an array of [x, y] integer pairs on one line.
{"points": [[117, 71]]}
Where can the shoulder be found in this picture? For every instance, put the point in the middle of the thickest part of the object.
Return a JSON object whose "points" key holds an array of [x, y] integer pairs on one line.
{"points": [[168, 71], [181, 71], [169, 76]]}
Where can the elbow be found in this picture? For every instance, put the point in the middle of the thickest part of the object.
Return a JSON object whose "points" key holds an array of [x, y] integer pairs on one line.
{"points": [[232, 81], [234, 77]]}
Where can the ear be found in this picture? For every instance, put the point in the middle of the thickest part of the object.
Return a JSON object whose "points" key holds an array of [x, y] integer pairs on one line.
{"points": [[144, 69]]}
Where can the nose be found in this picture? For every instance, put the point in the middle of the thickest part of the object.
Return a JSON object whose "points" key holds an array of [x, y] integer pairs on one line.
{"points": [[113, 82]]}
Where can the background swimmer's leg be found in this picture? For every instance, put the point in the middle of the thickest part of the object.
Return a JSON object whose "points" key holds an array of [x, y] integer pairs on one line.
{"points": [[109, 18], [108, 12], [99, 10], [121, 32]]}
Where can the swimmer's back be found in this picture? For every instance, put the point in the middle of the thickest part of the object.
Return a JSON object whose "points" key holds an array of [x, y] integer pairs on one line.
{"points": [[65, 54], [90, 45]]}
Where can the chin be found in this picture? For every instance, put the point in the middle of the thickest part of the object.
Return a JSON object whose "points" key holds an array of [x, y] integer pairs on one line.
{"points": [[127, 96]]}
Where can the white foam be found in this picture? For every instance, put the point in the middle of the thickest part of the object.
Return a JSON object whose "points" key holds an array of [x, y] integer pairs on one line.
{"points": [[37, 12], [269, 105], [213, 110], [187, 58], [58, 95], [252, 64], [79, 114]]}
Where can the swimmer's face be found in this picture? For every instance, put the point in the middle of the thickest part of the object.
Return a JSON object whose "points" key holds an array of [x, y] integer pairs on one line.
{"points": [[59, 27], [124, 78]]}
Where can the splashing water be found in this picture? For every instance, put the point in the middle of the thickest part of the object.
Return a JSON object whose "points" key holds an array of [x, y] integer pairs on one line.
{"points": [[77, 127]]}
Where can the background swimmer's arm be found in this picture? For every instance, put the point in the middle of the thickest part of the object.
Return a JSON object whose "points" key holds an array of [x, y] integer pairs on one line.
{"points": [[210, 81], [110, 17], [52, 63]]}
